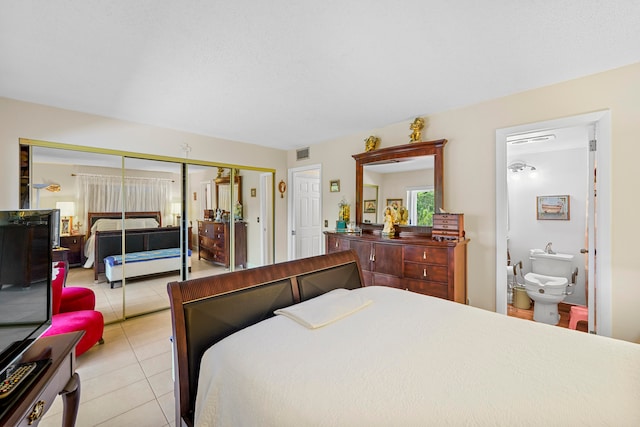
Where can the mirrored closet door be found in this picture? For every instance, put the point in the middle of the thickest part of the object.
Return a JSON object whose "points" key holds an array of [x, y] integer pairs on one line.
{"points": [[214, 226]]}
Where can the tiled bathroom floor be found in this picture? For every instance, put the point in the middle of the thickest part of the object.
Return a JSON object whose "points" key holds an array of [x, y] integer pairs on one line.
{"points": [[127, 381]]}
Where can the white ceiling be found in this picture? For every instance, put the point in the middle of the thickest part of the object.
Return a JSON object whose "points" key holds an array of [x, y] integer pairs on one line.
{"points": [[288, 74]]}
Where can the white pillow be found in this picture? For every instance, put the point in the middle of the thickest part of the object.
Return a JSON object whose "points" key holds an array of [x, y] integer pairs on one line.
{"points": [[325, 309]]}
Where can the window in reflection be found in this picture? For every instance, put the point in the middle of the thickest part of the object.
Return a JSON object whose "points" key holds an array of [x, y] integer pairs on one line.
{"points": [[421, 205]]}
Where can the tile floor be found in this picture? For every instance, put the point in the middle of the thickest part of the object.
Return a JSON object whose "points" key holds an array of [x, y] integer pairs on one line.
{"points": [[128, 380]]}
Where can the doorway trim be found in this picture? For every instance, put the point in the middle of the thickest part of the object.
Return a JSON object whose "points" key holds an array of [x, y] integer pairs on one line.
{"points": [[291, 206], [602, 119]]}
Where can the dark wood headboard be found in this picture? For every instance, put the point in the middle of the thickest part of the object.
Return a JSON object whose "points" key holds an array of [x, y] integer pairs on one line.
{"points": [[92, 217], [208, 309]]}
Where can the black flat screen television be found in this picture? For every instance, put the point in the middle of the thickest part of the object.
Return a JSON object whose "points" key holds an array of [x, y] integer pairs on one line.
{"points": [[26, 240]]}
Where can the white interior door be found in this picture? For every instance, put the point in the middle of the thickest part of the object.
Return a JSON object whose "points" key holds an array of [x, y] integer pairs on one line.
{"points": [[591, 231], [307, 228]]}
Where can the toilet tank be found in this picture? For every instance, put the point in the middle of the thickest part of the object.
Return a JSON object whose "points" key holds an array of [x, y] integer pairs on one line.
{"points": [[558, 265]]}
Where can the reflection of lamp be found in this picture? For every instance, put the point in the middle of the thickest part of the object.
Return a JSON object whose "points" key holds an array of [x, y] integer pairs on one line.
{"points": [[175, 211], [38, 187], [67, 211], [54, 188]]}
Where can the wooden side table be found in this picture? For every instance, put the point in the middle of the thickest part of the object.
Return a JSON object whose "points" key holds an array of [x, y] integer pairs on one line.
{"points": [[59, 377], [75, 244]]}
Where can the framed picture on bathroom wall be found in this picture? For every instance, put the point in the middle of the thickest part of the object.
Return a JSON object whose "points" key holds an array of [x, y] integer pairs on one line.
{"points": [[553, 207]]}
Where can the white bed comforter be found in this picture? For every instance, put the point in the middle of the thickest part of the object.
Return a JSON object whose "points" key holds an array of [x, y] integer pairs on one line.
{"points": [[108, 224], [411, 360]]}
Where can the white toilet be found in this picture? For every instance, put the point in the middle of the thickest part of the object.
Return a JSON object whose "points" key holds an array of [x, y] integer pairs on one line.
{"points": [[547, 283]]}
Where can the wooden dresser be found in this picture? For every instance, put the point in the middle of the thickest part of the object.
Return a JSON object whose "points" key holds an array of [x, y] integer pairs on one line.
{"points": [[214, 242], [418, 264]]}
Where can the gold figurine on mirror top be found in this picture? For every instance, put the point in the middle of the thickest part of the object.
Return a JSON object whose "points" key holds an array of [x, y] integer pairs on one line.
{"points": [[371, 143], [416, 126]]}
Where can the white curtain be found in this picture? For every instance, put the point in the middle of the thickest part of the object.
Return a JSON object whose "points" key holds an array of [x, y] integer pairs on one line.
{"points": [[104, 193]]}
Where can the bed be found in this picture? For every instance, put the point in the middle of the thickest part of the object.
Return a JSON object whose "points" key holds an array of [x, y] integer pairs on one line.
{"points": [[381, 356], [145, 236]]}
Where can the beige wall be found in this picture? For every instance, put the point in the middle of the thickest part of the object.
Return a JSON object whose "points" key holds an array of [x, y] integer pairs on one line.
{"points": [[470, 174], [469, 165], [25, 120]]}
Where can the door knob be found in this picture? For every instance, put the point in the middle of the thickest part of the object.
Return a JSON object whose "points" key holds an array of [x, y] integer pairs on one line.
{"points": [[584, 251]]}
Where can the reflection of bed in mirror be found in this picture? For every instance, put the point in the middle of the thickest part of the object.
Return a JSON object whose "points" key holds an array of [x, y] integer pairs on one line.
{"points": [[105, 236]]}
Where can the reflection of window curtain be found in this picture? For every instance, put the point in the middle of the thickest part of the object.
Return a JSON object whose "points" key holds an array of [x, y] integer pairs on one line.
{"points": [[103, 193], [224, 197]]}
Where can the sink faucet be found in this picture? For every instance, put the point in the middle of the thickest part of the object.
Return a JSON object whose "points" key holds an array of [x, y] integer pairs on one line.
{"points": [[548, 249]]}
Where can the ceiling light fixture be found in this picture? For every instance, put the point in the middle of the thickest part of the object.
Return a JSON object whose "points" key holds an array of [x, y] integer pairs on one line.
{"points": [[519, 166]]}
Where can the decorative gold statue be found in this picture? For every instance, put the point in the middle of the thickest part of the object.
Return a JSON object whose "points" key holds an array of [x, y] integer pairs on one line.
{"points": [[389, 219], [403, 215], [344, 214], [371, 143], [416, 127]]}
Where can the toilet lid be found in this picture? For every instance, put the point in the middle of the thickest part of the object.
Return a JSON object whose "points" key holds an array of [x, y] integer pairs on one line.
{"points": [[542, 280]]}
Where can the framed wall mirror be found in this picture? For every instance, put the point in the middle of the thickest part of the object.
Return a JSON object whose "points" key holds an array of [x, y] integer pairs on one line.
{"points": [[223, 192], [395, 172]]}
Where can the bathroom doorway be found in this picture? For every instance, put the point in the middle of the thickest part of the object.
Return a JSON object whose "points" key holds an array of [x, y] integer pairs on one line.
{"points": [[554, 159]]}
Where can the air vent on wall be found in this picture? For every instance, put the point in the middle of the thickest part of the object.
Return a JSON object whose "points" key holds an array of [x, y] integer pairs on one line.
{"points": [[302, 153]]}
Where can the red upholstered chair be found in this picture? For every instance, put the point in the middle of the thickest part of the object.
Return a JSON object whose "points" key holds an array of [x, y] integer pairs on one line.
{"points": [[73, 298], [85, 319]]}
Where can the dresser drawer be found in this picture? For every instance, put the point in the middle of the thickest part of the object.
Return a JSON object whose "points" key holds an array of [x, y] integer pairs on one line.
{"points": [[386, 280], [453, 227], [206, 242], [204, 228], [431, 272], [219, 256], [446, 220], [217, 243], [425, 254], [336, 244], [433, 289]]}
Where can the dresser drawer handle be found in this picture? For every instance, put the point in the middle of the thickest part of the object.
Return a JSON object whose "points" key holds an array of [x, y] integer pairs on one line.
{"points": [[424, 254], [36, 413], [424, 272], [337, 244]]}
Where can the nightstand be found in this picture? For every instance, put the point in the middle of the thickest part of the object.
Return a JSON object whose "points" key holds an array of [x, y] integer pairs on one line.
{"points": [[75, 244]]}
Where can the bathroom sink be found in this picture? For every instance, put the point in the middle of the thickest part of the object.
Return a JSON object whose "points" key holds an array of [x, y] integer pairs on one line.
{"points": [[557, 256]]}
